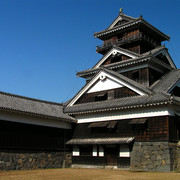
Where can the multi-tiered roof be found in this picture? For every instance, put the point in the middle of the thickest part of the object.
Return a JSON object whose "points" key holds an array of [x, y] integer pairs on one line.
{"points": [[134, 71]]}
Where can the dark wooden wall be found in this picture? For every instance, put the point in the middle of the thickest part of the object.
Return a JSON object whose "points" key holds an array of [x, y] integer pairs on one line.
{"points": [[174, 128], [25, 136], [145, 76], [139, 75], [105, 95], [155, 129]]}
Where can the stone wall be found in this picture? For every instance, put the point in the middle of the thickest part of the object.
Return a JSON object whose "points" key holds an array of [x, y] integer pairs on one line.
{"points": [[154, 156], [23, 159], [178, 158]]}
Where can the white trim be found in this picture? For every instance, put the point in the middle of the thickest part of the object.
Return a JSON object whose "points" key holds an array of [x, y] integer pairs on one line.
{"points": [[94, 150], [119, 18], [114, 51], [105, 84], [124, 151], [95, 79], [122, 115], [101, 151], [27, 119], [75, 151]]}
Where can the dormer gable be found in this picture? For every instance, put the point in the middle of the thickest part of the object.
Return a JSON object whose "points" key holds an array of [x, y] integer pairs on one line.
{"points": [[107, 85], [164, 56], [114, 55], [168, 82], [175, 90]]}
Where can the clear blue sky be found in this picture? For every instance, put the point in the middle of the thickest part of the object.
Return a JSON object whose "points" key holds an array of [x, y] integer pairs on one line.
{"points": [[43, 43]]}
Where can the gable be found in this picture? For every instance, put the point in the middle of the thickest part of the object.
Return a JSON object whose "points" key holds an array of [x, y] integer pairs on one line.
{"points": [[114, 53], [175, 90], [105, 86], [164, 56], [121, 19]]}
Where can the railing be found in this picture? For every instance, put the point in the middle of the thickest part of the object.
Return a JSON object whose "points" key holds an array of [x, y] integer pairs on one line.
{"points": [[125, 40]]}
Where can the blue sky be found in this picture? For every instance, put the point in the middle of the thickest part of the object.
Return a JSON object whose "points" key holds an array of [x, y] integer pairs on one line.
{"points": [[43, 43]]}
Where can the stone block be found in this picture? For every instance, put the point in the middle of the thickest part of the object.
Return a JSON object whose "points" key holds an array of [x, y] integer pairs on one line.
{"points": [[32, 160]]}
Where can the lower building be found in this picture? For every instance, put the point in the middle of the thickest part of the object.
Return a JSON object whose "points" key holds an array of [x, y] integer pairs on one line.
{"points": [[33, 133]]}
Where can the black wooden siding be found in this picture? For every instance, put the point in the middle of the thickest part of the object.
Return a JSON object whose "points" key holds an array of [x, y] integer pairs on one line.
{"points": [[145, 76], [105, 95], [25, 136], [155, 129]]}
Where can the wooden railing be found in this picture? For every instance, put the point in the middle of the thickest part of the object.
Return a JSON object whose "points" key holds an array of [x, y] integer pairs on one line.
{"points": [[127, 39]]}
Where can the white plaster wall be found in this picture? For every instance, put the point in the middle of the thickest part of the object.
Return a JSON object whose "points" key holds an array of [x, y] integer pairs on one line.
{"points": [[29, 119], [94, 150], [106, 84], [76, 151], [124, 151], [101, 151], [124, 114]]}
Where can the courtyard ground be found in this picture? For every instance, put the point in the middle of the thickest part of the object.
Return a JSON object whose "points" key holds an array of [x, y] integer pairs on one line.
{"points": [[85, 174]]}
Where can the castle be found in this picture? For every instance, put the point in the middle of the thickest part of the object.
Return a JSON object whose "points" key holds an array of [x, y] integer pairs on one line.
{"points": [[127, 115]]}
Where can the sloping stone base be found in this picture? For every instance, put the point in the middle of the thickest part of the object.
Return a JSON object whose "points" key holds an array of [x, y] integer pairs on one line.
{"points": [[155, 156]]}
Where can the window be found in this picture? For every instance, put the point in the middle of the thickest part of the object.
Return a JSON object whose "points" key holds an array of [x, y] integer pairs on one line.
{"points": [[103, 127], [101, 97], [139, 124]]}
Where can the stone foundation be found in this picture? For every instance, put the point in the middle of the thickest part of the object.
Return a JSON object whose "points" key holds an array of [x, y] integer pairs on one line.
{"points": [[178, 157], [155, 156], [23, 159]]}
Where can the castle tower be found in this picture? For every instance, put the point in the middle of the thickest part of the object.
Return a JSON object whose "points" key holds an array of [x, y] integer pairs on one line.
{"points": [[128, 110]]}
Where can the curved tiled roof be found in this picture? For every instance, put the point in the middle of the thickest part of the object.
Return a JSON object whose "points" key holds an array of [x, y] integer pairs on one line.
{"points": [[25, 105], [127, 63], [109, 140], [157, 94], [167, 81], [131, 24], [123, 103]]}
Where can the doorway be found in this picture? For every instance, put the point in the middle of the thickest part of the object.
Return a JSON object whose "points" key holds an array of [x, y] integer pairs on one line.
{"points": [[111, 152]]}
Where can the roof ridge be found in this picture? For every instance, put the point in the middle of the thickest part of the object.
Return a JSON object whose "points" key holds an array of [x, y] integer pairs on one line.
{"points": [[29, 98]]}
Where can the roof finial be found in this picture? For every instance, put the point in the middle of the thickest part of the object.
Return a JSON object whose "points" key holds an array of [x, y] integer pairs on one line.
{"points": [[121, 10], [141, 17]]}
